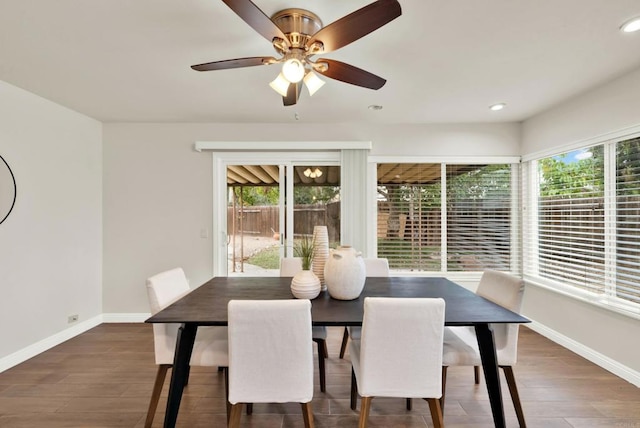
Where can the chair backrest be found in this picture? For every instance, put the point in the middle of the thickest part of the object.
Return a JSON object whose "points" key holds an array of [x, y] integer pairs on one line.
{"points": [[376, 267], [507, 291], [289, 266], [270, 351], [165, 288], [401, 347], [162, 290]]}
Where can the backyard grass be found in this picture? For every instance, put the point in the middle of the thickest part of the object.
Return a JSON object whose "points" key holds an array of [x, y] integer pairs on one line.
{"points": [[269, 258]]}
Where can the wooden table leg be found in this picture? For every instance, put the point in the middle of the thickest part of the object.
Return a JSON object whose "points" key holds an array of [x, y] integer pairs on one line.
{"points": [[491, 374], [184, 347]]}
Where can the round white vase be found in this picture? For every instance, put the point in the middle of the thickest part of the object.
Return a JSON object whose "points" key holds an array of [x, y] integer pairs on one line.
{"points": [[344, 273], [305, 285]]}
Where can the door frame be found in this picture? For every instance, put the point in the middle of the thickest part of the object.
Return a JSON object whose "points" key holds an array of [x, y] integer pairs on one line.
{"points": [[255, 157]]}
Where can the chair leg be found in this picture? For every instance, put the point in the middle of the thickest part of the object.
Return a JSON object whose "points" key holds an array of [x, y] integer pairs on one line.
{"points": [[409, 403], [155, 394], [307, 414], [444, 387], [515, 397], [322, 346], [249, 408], [225, 373], [234, 418], [345, 340], [476, 374], [365, 407], [436, 412], [354, 390]]}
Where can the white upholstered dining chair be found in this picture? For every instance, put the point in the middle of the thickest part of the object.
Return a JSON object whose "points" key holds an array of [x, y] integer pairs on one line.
{"points": [[210, 347], [290, 266], [461, 344], [373, 267], [399, 354], [270, 355]]}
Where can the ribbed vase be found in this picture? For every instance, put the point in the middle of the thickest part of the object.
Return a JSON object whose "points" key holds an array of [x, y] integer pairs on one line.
{"points": [[305, 285], [320, 253]]}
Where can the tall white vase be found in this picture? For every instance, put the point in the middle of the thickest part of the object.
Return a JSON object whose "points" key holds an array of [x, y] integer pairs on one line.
{"points": [[320, 253], [344, 273]]}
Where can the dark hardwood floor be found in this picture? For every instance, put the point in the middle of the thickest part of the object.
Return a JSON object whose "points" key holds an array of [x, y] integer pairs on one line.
{"points": [[103, 378]]}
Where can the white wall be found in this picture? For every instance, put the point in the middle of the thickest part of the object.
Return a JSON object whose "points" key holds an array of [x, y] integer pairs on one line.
{"points": [[51, 244], [158, 190], [603, 110]]}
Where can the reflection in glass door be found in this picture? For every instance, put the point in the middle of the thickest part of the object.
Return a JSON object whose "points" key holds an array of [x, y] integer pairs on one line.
{"points": [[269, 207]]}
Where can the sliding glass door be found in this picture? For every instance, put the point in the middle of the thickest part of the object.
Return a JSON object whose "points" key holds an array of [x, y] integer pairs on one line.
{"points": [[262, 205]]}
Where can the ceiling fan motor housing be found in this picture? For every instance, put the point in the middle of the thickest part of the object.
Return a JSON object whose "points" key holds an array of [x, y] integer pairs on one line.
{"points": [[298, 24]]}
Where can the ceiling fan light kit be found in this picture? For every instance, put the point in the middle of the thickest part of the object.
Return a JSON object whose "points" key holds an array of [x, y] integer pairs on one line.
{"points": [[298, 34], [280, 85], [313, 82], [631, 25]]}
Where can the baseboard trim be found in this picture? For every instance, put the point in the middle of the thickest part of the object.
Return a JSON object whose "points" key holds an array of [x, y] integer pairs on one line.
{"points": [[124, 317], [31, 351], [39, 347], [595, 357]]}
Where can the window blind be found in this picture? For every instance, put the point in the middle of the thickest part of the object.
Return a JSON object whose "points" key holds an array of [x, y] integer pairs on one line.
{"points": [[479, 217], [468, 228], [627, 239], [582, 222], [409, 216]]}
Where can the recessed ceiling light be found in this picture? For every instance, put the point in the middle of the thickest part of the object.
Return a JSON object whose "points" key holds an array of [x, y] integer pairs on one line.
{"points": [[374, 107], [497, 107], [631, 25]]}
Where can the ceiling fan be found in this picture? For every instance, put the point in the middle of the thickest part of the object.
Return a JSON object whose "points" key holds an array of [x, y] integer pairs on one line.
{"points": [[297, 35]]}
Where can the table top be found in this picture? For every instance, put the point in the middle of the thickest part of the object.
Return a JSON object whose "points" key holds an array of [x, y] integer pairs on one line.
{"points": [[207, 304]]}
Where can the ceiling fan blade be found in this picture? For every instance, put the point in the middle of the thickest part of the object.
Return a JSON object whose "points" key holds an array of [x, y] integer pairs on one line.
{"points": [[293, 93], [235, 63], [349, 74], [256, 18], [356, 25]]}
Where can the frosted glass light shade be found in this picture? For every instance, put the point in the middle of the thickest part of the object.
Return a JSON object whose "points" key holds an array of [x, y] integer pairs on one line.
{"points": [[280, 85], [313, 82], [293, 70], [631, 26]]}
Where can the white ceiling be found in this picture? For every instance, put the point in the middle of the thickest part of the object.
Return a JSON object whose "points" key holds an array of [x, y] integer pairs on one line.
{"points": [[444, 60]]}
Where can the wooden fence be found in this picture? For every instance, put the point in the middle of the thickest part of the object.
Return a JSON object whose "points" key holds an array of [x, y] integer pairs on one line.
{"points": [[263, 220]]}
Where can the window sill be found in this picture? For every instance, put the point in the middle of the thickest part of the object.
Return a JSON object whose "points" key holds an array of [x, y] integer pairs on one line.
{"points": [[596, 300]]}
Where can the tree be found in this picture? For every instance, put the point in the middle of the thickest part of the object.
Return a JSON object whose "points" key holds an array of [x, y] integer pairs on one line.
{"points": [[573, 174], [257, 195]]}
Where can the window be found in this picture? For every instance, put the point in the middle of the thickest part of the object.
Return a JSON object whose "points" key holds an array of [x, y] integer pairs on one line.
{"points": [[582, 231], [479, 218], [435, 217]]}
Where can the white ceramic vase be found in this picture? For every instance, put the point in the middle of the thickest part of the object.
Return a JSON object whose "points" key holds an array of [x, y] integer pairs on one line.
{"points": [[305, 285], [344, 273], [320, 253]]}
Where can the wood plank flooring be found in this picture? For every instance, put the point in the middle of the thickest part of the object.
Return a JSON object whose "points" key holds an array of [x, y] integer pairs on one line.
{"points": [[103, 378]]}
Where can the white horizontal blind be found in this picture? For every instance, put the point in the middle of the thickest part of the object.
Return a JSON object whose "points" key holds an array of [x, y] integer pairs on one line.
{"points": [[477, 232], [582, 223], [409, 216], [570, 219], [627, 274], [479, 217]]}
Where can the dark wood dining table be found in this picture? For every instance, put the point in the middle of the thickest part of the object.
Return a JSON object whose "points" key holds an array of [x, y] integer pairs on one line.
{"points": [[207, 306]]}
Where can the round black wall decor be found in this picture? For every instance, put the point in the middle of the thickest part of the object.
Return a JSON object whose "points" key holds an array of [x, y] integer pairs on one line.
{"points": [[8, 190]]}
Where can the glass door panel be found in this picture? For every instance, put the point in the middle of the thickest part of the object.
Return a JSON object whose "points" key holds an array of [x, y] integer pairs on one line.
{"points": [[253, 219], [269, 207]]}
